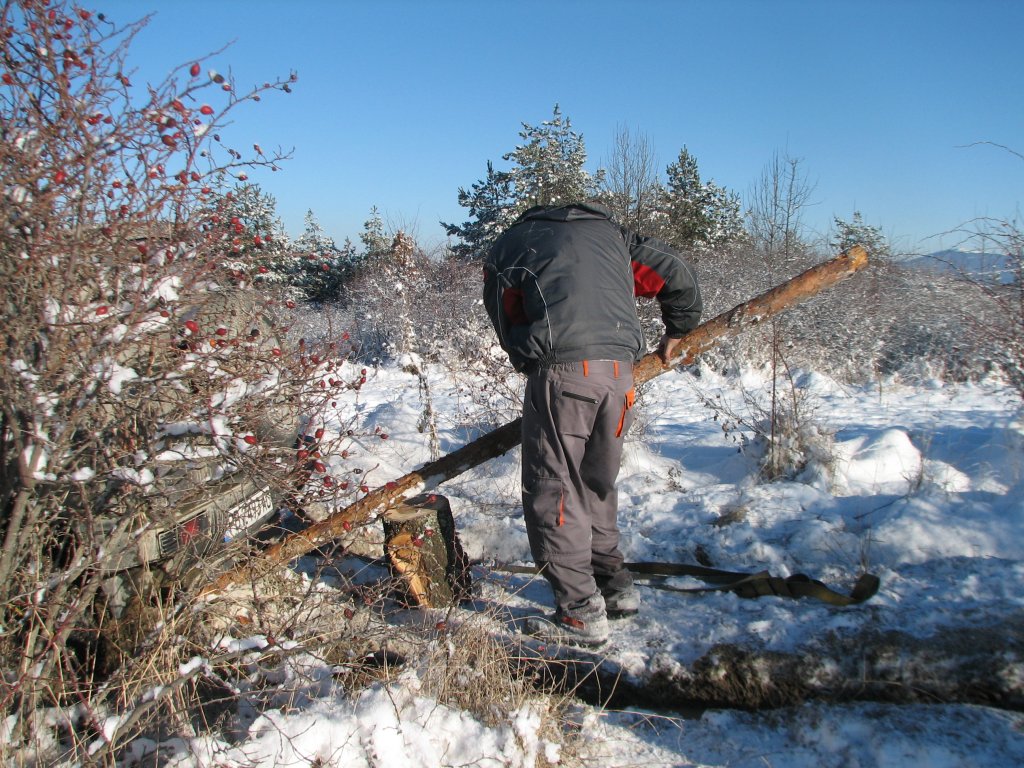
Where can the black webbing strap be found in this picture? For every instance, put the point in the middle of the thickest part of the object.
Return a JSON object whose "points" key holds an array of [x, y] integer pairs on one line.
{"points": [[748, 585], [760, 584]]}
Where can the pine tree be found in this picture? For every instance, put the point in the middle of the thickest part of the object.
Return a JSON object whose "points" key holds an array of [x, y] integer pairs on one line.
{"points": [[349, 259], [856, 232], [547, 169], [253, 233], [492, 205], [375, 240], [319, 275], [699, 216]]}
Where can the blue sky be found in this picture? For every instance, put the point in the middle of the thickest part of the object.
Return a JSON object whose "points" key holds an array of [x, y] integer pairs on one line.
{"points": [[399, 103]]}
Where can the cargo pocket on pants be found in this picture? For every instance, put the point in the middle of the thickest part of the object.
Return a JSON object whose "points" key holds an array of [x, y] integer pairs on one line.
{"points": [[627, 407], [544, 503]]}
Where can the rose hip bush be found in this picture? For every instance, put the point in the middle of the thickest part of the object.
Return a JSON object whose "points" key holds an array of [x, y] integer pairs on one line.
{"points": [[140, 360]]}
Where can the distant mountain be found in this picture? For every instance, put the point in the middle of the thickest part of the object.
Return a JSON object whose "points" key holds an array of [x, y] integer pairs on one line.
{"points": [[982, 266]]}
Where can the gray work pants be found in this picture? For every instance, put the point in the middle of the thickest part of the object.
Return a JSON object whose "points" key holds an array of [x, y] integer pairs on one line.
{"points": [[575, 417]]}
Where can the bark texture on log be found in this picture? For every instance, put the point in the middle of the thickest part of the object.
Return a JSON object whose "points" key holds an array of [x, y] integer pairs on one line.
{"points": [[969, 665], [504, 438], [755, 311]]}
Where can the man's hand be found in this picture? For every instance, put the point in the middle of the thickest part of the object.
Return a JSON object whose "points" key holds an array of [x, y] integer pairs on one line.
{"points": [[668, 349]]}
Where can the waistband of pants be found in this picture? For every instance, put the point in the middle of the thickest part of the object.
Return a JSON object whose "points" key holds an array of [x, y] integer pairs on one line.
{"points": [[613, 368]]}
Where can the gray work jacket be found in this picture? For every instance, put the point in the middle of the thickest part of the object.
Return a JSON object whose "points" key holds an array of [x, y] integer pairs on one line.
{"points": [[559, 286]]}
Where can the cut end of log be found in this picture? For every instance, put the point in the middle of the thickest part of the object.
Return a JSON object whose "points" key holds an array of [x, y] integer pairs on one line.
{"points": [[422, 547]]}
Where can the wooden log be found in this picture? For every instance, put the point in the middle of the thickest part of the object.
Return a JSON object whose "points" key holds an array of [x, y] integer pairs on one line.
{"points": [[504, 438], [961, 663], [755, 311], [422, 547]]}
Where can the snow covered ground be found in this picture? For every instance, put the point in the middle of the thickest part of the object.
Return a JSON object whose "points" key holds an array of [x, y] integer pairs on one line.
{"points": [[922, 487]]}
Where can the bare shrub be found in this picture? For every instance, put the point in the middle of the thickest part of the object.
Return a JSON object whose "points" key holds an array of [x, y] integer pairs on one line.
{"points": [[425, 309], [992, 310], [470, 667], [784, 436], [150, 395], [406, 300]]}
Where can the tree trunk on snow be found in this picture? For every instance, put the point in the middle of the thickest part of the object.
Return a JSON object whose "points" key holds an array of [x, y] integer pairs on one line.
{"points": [[504, 438], [961, 664]]}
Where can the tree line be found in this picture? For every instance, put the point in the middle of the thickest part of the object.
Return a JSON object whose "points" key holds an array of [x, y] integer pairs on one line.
{"points": [[548, 167], [893, 320]]}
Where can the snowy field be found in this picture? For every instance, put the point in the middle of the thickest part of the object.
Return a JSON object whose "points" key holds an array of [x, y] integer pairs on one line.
{"points": [[919, 486]]}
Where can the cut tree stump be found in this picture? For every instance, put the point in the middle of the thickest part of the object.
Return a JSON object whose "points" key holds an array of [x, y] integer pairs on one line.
{"points": [[424, 554]]}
